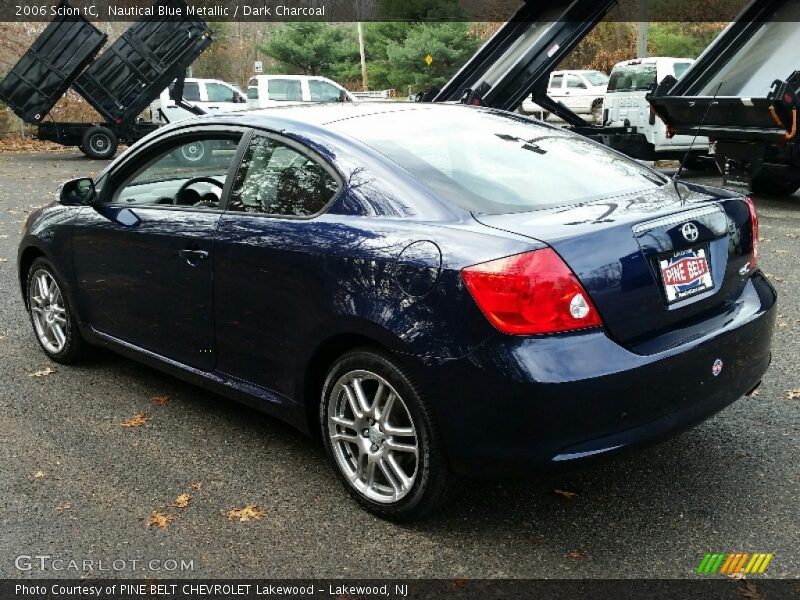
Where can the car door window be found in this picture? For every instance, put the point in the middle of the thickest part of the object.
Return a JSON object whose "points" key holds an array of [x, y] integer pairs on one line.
{"points": [[285, 90], [556, 82], [575, 82], [189, 173], [219, 93], [322, 91], [278, 179], [191, 91]]}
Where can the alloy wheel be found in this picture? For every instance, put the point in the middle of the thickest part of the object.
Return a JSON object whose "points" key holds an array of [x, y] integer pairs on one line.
{"points": [[48, 311], [373, 437]]}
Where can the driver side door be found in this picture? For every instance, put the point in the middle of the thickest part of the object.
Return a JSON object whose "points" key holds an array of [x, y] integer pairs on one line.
{"points": [[143, 253]]}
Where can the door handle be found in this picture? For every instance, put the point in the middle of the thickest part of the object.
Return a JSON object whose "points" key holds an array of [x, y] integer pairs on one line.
{"points": [[192, 255]]}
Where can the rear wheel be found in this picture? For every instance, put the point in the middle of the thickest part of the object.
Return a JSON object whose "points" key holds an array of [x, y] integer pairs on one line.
{"points": [[51, 315], [381, 438], [597, 112], [99, 142], [771, 184]]}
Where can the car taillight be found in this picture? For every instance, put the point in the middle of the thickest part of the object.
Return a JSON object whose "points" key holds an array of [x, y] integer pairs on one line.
{"points": [[754, 224], [531, 293]]}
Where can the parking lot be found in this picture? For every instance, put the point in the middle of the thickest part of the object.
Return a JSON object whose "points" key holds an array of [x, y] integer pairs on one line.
{"points": [[76, 485]]}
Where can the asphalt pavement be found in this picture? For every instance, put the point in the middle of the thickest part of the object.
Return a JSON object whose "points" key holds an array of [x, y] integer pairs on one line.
{"points": [[76, 485]]}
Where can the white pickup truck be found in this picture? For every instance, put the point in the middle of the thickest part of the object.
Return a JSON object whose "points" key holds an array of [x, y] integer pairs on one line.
{"points": [[209, 94]]}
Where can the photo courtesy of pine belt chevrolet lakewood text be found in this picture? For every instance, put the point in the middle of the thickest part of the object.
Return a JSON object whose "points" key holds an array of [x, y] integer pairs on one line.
{"points": [[434, 291]]}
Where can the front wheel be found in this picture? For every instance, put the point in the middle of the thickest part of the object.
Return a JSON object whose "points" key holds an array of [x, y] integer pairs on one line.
{"points": [[99, 142], [381, 438], [54, 323]]}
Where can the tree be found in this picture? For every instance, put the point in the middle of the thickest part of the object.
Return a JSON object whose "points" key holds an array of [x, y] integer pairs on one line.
{"points": [[450, 45], [682, 40], [314, 49]]}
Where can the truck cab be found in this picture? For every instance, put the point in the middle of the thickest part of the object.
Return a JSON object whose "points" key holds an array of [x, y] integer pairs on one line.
{"points": [[211, 95], [625, 103], [264, 91]]}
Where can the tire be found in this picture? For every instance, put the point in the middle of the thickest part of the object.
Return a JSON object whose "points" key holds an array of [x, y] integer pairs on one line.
{"points": [[99, 142], [774, 185], [597, 112], [192, 154], [405, 485], [701, 163], [51, 312]]}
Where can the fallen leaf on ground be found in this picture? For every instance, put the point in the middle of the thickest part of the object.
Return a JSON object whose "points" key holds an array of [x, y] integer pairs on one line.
{"points": [[136, 420], [250, 512], [459, 582], [197, 485], [160, 520], [38, 474], [748, 590], [794, 236], [793, 394], [755, 392], [160, 400], [3, 260], [63, 506], [42, 373], [565, 495], [576, 555], [182, 501]]}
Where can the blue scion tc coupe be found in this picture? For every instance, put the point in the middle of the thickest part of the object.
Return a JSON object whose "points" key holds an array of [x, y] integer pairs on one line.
{"points": [[435, 290]]}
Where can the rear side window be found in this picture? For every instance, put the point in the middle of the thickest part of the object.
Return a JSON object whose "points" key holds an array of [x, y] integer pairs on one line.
{"points": [[252, 93], [495, 163], [277, 179], [285, 90], [632, 78], [556, 81]]}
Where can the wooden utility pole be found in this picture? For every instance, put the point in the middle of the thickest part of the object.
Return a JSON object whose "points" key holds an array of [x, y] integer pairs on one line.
{"points": [[364, 85], [643, 29]]}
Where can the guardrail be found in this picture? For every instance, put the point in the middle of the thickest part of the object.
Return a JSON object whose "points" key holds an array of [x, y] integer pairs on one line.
{"points": [[376, 94]]}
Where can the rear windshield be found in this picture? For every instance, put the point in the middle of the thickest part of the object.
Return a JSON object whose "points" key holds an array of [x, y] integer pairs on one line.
{"points": [[681, 68], [498, 163], [596, 77], [632, 78]]}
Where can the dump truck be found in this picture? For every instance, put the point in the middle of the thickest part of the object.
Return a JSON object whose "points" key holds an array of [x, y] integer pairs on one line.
{"points": [[119, 85], [742, 92]]}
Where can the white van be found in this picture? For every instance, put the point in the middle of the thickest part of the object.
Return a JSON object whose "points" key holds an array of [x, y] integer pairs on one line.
{"points": [[212, 95], [625, 104], [580, 91], [276, 90]]}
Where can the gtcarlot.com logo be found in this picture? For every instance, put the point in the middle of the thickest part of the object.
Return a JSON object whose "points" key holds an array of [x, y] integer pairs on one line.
{"points": [[734, 563], [43, 562]]}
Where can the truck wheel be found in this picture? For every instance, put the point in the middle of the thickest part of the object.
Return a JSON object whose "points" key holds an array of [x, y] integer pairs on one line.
{"points": [[597, 111], [99, 142], [774, 186], [192, 154]]}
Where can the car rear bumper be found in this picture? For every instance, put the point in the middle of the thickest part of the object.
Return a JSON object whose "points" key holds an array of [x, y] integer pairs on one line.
{"points": [[519, 403]]}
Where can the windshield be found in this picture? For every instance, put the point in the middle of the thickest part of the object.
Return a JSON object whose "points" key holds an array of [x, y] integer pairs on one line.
{"points": [[596, 77], [631, 78], [498, 163]]}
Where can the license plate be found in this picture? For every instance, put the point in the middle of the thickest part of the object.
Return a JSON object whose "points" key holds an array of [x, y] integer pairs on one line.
{"points": [[685, 273]]}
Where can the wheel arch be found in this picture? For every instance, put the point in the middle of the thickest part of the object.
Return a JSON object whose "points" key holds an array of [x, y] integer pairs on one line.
{"points": [[26, 258], [320, 362]]}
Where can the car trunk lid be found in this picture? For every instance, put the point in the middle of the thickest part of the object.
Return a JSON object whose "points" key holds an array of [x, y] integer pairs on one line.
{"points": [[654, 264]]}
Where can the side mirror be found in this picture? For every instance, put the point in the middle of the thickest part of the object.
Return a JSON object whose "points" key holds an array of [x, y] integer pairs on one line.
{"points": [[77, 192]]}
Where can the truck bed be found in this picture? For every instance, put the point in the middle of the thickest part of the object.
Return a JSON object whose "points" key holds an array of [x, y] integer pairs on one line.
{"points": [[49, 67], [141, 63]]}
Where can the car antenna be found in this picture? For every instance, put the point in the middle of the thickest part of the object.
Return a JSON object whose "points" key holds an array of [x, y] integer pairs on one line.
{"points": [[678, 173]]}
